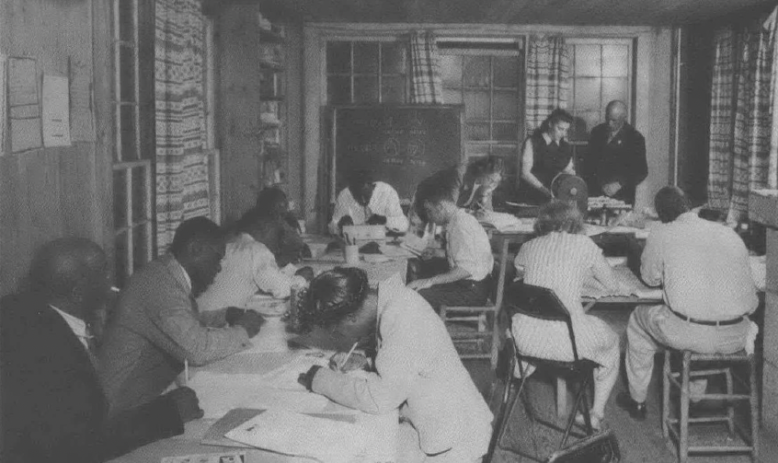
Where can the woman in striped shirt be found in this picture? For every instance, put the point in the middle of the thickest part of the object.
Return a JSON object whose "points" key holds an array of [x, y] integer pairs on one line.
{"points": [[561, 258]]}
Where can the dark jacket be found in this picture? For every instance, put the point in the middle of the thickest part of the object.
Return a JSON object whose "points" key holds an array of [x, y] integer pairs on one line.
{"points": [[623, 159], [53, 406]]}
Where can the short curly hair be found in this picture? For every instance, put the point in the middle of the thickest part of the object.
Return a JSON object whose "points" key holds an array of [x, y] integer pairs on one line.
{"points": [[559, 216], [331, 297]]}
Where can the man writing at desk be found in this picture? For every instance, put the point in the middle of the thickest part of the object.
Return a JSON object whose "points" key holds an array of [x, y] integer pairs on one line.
{"points": [[368, 202], [708, 292]]}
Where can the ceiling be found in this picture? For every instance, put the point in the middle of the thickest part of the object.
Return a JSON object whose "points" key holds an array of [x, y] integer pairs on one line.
{"points": [[563, 12]]}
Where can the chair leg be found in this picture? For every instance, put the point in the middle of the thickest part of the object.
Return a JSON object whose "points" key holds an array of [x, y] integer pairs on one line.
{"points": [[584, 407], [666, 372], [754, 410], [683, 433], [730, 404], [507, 410]]}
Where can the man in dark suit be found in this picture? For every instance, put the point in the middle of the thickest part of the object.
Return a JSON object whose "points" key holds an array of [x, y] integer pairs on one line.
{"points": [[616, 159], [53, 405]]}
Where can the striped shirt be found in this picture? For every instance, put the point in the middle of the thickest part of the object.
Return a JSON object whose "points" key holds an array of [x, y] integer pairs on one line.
{"points": [[248, 266]]}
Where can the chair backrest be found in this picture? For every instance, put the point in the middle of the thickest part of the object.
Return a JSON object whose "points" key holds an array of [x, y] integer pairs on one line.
{"points": [[540, 303]]}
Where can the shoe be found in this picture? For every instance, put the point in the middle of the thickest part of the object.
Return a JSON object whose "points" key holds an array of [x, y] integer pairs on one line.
{"points": [[595, 420], [637, 410]]}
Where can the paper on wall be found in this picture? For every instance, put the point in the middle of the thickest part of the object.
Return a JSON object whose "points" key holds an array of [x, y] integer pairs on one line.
{"points": [[56, 111]]}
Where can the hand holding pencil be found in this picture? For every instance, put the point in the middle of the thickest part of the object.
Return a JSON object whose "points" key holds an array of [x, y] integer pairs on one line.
{"points": [[350, 361]]}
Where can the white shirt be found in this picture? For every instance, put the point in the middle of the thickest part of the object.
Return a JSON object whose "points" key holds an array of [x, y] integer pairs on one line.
{"points": [[703, 266], [384, 201], [467, 246], [77, 325], [186, 275], [248, 266]]}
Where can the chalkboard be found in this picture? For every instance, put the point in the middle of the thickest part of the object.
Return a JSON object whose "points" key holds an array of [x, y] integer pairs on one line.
{"points": [[401, 145]]}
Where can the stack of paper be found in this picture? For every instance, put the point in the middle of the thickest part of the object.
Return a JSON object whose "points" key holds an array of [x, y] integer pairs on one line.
{"points": [[414, 244], [499, 220], [302, 435]]}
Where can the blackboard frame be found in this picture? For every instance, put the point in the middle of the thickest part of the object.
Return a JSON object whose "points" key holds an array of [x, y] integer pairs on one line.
{"points": [[333, 148]]}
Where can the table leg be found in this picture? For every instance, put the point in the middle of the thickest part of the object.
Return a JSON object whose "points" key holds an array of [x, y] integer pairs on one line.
{"points": [[561, 397]]}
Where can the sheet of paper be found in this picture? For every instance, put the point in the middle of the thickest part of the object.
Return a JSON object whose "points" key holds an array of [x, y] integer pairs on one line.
{"points": [[223, 457], [81, 120], [219, 393], [285, 376], [325, 440], [56, 111], [414, 244], [24, 109]]}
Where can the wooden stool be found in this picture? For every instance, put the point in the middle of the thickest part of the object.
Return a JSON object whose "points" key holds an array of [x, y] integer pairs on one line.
{"points": [[678, 426]]}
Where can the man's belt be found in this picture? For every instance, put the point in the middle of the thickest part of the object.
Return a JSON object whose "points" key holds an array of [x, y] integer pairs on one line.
{"points": [[697, 321]]}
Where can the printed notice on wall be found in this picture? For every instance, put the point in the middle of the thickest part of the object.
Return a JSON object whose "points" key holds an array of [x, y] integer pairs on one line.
{"points": [[81, 120], [24, 110], [56, 111]]}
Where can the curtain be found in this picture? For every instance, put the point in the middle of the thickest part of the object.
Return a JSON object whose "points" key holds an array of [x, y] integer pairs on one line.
{"points": [[740, 118], [181, 159], [772, 173], [548, 78], [426, 86]]}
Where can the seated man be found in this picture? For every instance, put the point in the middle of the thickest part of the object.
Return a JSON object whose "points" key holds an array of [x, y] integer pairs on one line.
{"points": [[277, 228], [158, 325], [53, 407], [368, 202], [708, 293], [468, 254], [616, 161], [248, 266]]}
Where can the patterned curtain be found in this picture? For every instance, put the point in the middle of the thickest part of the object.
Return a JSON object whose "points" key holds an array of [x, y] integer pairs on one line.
{"points": [[181, 159], [772, 174], [740, 118], [548, 78], [426, 86]]}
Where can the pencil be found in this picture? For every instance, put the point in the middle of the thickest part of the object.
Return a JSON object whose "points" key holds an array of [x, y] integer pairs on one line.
{"points": [[186, 372], [348, 356]]}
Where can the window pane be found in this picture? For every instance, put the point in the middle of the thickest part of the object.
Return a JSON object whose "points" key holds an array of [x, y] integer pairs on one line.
{"points": [[476, 150], [506, 132], [366, 89], [139, 247], [129, 149], [452, 96], [126, 19], [506, 71], [119, 199], [338, 57], [451, 71], [476, 71], [120, 258], [615, 60], [614, 89], [477, 132], [393, 58], [139, 199], [339, 89], [476, 105], [587, 94], [393, 89], [127, 77], [588, 60], [506, 105], [366, 58]]}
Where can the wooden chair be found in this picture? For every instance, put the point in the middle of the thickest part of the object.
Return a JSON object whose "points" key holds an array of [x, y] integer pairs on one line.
{"points": [[484, 320], [712, 364], [542, 303]]}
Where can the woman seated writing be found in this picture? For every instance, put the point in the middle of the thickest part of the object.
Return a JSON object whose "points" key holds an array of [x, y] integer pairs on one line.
{"points": [[416, 367], [561, 258]]}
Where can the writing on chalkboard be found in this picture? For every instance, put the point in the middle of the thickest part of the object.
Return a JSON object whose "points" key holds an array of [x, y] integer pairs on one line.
{"points": [[401, 145]]}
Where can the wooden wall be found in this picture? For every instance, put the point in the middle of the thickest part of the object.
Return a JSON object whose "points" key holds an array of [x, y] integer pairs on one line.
{"points": [[54, 192]]}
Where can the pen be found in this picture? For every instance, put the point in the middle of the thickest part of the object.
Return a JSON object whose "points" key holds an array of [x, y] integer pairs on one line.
{"points": [[348, 356]]}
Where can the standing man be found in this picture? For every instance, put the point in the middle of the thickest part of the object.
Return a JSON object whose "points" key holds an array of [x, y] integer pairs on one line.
{"points": [[616, 161], [53, 408], [708, 293], [158, 325]]}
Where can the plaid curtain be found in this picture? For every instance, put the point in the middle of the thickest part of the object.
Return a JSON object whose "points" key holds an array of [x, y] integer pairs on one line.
{"points": [[740, 118], [426, 86], [548, 78], [181, 159], [772, 172]]}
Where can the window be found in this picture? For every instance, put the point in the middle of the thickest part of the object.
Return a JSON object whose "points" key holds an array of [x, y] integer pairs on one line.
{"points": [[486, 78], [132, 176], [366, 72], [601, 72]]}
